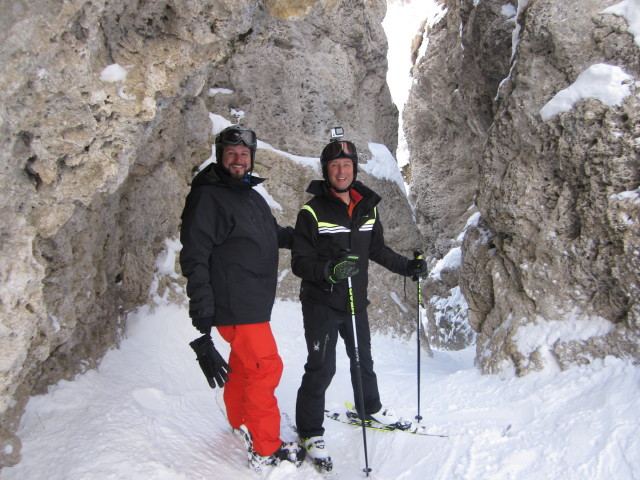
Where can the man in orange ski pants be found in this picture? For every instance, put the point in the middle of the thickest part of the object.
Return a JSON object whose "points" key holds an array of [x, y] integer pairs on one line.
{"points": [[230, 241]]}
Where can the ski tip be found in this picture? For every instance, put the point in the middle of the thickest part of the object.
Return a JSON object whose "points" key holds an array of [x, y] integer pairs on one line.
{"points": [[349, 405]]}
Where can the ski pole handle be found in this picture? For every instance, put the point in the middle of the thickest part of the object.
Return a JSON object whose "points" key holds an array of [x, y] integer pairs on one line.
{"points": [[417, 255]]}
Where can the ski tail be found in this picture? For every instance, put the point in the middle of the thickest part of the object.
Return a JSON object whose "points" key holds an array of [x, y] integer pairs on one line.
{"points": [[350, 417]]}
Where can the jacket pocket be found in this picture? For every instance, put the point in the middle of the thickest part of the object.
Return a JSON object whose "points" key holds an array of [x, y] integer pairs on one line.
{"points": [[250, 296]]}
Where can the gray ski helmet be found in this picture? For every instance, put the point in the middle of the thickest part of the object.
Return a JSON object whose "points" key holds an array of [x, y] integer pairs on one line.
{"points": [[339, 149], [236, 135]]}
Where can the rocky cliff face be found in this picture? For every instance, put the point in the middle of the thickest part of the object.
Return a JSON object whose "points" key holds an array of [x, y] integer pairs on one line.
{"points": [[95, 166], [551, 269]]}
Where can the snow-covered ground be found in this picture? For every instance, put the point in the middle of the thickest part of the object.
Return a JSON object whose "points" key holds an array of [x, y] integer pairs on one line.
{"points": [[148, 414]]}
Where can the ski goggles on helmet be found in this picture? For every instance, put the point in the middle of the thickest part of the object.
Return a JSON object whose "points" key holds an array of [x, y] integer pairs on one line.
{"points": [[341, 149], [237, 136]]}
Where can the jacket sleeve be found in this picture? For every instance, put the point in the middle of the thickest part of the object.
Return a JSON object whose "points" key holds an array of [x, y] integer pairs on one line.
{"points": [[204, 225], [305, 259], [285, 235], [385, 256]]}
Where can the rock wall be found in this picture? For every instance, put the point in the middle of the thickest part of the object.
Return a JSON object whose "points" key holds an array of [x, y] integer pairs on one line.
{"points": [[449, 113], [551, 270], [95, 166], [446, 120]]}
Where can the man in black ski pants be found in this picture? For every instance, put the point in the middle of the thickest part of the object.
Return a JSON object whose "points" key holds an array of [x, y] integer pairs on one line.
{"points": [[336, 234], [229, 256]]}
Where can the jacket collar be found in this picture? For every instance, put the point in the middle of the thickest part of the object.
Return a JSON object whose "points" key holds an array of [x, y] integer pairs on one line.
{"points": [[213, 174], [319, 188]]}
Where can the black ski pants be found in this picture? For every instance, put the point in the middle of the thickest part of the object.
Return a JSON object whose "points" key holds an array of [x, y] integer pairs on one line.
{"points": [[322, 324]]}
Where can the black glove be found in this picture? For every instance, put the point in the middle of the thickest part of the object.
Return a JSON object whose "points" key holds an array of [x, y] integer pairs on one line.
{"points": [[285, 237], [212, 364], [203, 324], [344, 268], [417, 268]]}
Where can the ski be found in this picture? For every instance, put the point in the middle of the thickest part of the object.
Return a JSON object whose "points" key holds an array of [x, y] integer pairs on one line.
{"points": [[350, 417]]}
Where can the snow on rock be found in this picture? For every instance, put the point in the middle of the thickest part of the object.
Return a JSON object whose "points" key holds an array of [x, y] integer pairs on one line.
{"points": [[607, 83]]}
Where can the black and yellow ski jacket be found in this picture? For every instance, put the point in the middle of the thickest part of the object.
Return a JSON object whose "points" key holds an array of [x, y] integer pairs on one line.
{"points": [[325, 231]]}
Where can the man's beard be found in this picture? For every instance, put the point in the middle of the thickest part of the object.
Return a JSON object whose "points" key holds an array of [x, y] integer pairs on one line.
{"points": [[235, 173]]}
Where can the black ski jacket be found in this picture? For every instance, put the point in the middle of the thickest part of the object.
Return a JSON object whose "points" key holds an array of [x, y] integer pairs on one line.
{"points": [[229, 255], [324, 232]]}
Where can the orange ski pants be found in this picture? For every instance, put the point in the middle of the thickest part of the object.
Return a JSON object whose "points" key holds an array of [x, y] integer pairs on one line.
{"points": [[249, 395]]}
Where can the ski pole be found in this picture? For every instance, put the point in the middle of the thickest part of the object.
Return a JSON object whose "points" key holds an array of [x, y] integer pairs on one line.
{"points": [[418, 256], [361, 413]]}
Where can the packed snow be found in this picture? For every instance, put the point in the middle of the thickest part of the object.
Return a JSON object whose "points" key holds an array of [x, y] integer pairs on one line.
{"points": [[607, 83], [147, 413], [630, 11], [113, 73], [383, 165]]}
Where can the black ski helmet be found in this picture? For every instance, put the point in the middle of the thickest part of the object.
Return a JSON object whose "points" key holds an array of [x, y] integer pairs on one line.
{"points": [[339, 149], [236, 135]]}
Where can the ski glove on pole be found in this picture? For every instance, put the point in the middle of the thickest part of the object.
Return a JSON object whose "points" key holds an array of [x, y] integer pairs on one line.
{"points": [[417, 268], [213, 366], [344, 268]]}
